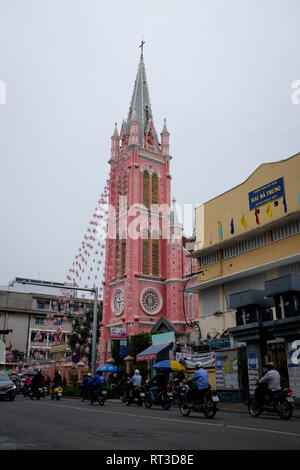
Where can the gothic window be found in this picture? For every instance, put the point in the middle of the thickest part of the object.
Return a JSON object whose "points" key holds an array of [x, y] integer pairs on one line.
{"points": [[155, 254], [146, 261], [154, 189], [146, 178], [123, 256], [117, 254]]}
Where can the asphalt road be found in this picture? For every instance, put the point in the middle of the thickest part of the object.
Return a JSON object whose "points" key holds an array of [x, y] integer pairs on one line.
{"points": [[71, 424]]}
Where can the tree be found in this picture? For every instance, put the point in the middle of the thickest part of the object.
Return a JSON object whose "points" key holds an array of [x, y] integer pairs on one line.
{"points": [[81, 337]]}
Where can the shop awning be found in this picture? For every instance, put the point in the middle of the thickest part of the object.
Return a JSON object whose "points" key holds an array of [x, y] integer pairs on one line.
{"points": [[150, 353]]}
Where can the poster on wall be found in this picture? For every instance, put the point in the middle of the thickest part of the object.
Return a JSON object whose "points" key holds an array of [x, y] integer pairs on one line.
{"points": [[293, 356], [253, 372], [227, 371]]}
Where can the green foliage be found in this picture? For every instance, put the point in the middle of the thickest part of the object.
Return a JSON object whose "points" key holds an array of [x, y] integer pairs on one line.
{"points": [[72, 390], [18, 355], [83, 327]]}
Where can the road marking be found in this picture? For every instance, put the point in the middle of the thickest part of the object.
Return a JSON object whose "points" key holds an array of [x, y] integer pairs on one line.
{"points": [[174, 420]]}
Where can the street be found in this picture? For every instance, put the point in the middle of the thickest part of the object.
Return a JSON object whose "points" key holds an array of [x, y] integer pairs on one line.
{"points": [[71, 424]]}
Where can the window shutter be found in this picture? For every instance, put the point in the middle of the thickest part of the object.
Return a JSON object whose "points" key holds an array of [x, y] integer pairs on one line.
{"points": [[146, 269], [154, 189], [155, 254], [146, 189]]}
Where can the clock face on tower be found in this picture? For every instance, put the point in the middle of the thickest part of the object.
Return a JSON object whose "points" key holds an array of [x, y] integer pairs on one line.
{"points": [[117, 302]]}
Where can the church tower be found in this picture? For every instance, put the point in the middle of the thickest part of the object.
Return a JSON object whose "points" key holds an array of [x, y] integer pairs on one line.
{"points": [[145, 260]]}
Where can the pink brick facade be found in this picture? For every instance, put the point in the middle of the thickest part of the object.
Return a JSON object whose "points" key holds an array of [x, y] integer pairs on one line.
{"points": [[144, 279]]}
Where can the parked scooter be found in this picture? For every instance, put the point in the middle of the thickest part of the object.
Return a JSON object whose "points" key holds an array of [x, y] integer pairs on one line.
{"points": [[136, 395], [56, 393], [280, 402], [207, 405], [163, 398]]}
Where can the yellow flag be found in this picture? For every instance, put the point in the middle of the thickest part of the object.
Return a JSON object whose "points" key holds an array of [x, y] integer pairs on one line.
{"points": [[243, 221], [269, 210]]}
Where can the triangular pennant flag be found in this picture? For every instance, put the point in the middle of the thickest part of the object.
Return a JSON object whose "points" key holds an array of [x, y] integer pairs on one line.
{"points": [[284, 203], [269, 210], [232, 226], [221, 232], [256, 216], [243, 221]]}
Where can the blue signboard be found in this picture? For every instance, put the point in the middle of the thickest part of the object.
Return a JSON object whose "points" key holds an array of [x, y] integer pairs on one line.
{"points": [[123, 351], [268, 192]]}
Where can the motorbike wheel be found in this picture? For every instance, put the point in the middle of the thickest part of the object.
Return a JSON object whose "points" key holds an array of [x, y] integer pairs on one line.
{"points": [[140, 403], [57, 398], [166, 404], [11, 398], [148, 402], [210, 408], [101, 401], [253, 408], [285, 410], [184, 409], [52, 397]]}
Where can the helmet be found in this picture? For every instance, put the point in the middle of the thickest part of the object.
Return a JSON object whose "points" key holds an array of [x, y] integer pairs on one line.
{"points": [[198, 365], [271, 365], [39, 370], [89, 374], [136, 371]]}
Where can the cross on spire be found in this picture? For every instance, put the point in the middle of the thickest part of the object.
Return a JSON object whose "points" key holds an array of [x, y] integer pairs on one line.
{"points": [[142, 47]]}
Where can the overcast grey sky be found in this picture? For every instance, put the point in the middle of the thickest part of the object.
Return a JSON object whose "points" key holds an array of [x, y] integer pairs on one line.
{"points": [[220, 71]]}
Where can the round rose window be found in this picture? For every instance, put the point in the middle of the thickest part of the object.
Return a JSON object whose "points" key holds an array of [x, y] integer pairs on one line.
{"points": [[151, 301]]}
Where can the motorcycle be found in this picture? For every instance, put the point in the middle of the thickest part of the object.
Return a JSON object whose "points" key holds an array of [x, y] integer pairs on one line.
{"points": [[162, 398], [99, 395], [35, 393], [136, 395], [178, 390], [280, 402], [56, 393], [207, 405]]}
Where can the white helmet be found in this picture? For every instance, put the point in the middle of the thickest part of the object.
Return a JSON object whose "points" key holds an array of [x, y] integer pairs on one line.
{"points": [[198, 365], [136, 371]]}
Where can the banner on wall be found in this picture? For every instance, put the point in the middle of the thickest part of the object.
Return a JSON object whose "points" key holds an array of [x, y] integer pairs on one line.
{"points": [[269, 192], [189, 360]]}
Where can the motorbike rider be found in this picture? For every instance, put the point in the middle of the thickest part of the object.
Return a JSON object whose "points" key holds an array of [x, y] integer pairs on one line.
{"points": [[201, 379], [272, 380], [57, 381], [85, 386], [37, 381], [97, 383], [159, 382], [134, 382]]}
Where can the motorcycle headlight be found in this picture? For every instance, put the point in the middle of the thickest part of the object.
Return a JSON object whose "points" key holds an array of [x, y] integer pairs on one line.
{"points": [[13, 387]]}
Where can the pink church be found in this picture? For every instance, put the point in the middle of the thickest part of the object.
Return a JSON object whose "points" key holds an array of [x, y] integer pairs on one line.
{"points": [[147, 266]]}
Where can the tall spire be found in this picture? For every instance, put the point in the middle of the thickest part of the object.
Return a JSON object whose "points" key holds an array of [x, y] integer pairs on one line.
{"points": [[140, 102]]}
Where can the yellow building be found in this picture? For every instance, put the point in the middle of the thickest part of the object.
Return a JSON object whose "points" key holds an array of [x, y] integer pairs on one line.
{"points": [[245, 238]]}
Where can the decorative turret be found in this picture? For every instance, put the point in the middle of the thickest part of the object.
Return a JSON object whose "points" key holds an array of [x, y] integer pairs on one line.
{"points": [[165, 148], [175, 227], [115, 143], [134, 129]]}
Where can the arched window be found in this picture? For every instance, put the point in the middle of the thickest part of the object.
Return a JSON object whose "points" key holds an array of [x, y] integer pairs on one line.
{"points": [[154, 189], [146, 178], [155, 253], [146, 261], [117, 254], [123, 255]]}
